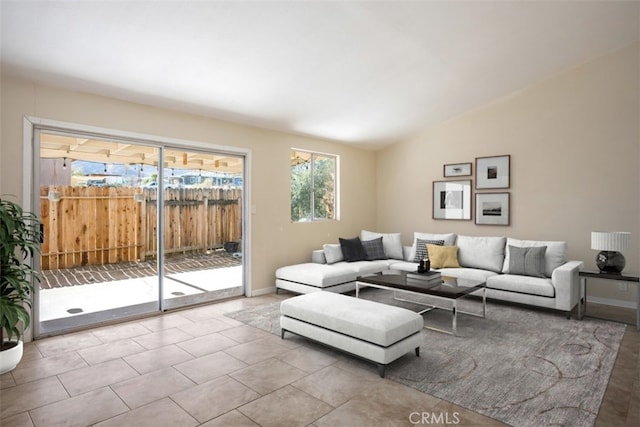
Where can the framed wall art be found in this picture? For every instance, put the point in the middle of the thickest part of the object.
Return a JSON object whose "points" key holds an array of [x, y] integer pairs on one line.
{"points": [[492, 208], [493, 172], [457, 169], [452, 199]]}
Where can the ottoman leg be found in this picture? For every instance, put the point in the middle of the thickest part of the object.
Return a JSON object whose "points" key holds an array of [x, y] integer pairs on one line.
{"points": [[282, 331], [381, 369], [418, 351]]}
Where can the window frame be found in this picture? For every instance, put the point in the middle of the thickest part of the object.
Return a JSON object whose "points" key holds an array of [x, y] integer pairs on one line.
{"points": [[336, 185]]}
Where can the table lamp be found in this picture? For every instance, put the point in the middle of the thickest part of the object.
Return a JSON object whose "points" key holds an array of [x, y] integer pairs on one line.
{"points": [[610, 244]]}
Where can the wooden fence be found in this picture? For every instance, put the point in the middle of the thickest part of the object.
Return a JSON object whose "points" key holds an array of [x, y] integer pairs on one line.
{"points": [[104, 225]]}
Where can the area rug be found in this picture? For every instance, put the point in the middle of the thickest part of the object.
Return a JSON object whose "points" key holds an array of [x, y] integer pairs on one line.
{"points": [[520, 365]]}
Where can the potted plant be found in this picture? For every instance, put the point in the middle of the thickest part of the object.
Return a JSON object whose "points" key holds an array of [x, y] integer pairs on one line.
{"points": [[20, 239]]}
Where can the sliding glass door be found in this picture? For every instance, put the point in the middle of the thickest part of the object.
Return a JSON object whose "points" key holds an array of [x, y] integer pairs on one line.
{"points": [[201, 226], [116, 213]]}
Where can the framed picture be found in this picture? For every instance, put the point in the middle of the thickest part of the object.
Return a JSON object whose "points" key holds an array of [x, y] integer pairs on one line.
{"points": [[493, 172], [452, 199], [457, 169], [492, 208]]}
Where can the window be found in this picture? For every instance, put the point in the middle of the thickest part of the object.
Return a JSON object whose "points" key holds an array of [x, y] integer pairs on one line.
{"points": [[313, 186]]}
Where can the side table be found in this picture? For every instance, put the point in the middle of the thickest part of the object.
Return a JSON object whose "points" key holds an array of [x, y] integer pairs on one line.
{"points": [[625, 276]]}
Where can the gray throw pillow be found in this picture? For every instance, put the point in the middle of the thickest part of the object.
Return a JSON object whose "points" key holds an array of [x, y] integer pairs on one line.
{"points": [[421, 248], [527, 261], [374, 249], [352, 249], [332, 253]]}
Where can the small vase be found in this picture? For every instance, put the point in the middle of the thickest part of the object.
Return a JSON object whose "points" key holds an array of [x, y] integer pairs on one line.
{"points": [[9, 359]]}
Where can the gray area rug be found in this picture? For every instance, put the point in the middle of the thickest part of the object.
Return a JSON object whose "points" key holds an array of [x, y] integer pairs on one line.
{"points": [[519, 365]]}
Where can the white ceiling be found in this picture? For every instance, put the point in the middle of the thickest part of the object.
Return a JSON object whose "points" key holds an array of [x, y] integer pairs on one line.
{"points": [[368, 73]]}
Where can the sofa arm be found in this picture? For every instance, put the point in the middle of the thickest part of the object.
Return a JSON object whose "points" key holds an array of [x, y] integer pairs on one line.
{"points": [[317, 257], [566, 281]]}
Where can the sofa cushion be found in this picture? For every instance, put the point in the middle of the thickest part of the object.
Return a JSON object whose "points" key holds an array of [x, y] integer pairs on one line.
{"points": [[391, 242], [467, 273], [443, 256], [522, 284], [352, 249], [449, 240], [421, 248], [554, 257], [363, 267], [319, 275], [374, 249], [486, 253], [527, 261], [332, 253]]}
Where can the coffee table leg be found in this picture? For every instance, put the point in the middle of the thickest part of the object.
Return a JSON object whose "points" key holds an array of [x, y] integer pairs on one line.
{"points": [[484, 303], [455, 319]]}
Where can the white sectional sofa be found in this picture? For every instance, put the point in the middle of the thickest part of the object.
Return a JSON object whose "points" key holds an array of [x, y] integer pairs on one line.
{"points": [[522, 271]]}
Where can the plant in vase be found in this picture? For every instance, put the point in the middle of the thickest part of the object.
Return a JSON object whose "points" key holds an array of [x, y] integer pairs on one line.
{"points": [[20, 239]]}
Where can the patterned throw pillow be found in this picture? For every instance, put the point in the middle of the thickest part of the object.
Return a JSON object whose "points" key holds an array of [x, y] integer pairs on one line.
{"points": [[421, 248], [527, 261], [374, 249]]}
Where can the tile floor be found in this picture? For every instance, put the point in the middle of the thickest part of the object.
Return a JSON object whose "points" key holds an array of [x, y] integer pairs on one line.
{"points": [[199, 368]]}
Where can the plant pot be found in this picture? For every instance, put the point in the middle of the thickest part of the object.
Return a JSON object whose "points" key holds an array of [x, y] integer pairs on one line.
{"points": [[9, 359]]}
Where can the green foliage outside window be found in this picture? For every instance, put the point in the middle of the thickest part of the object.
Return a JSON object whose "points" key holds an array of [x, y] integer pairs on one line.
{"points": [[313, 182]]}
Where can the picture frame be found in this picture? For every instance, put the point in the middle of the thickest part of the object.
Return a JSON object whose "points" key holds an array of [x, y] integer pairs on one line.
{"points": [[452, 199], [493, 172], [493, 208], [457, 169]]}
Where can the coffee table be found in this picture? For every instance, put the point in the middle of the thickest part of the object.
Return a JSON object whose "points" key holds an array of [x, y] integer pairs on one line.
{"points": [[448, 289]]}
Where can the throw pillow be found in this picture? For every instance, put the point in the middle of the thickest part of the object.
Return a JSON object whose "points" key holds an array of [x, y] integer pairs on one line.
{"points": [[391, 241], [421, 248], [449, 239], [443, 256], [527, 261], [352, 249], [374, 249], [332, 253], [554, 257]]}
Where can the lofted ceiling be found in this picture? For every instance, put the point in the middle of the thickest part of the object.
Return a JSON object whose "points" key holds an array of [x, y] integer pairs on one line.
{"points": [[367, 73]]}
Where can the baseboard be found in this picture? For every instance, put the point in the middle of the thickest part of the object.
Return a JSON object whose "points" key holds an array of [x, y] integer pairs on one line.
{"points": [[265, 291], [613, 302]]}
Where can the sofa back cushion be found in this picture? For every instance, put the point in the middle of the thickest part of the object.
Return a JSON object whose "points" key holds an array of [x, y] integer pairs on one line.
{"points": [[391, 242], [449, 240], [486, 253], [554, 256]]}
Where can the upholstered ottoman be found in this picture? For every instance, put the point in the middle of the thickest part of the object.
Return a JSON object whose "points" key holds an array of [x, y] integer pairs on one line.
{"points": [[377, 332]]}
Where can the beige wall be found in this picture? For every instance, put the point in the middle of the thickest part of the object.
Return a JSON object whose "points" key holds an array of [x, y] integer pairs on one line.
{"points": [[276, 241], [574, 146]]}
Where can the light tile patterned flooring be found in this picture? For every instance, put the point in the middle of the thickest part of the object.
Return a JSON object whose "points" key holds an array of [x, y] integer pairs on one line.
{"points": [[198, 367]]}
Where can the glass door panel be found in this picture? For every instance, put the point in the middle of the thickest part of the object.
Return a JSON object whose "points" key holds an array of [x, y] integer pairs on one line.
{"points": [[202, 226], [98, 261]]}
